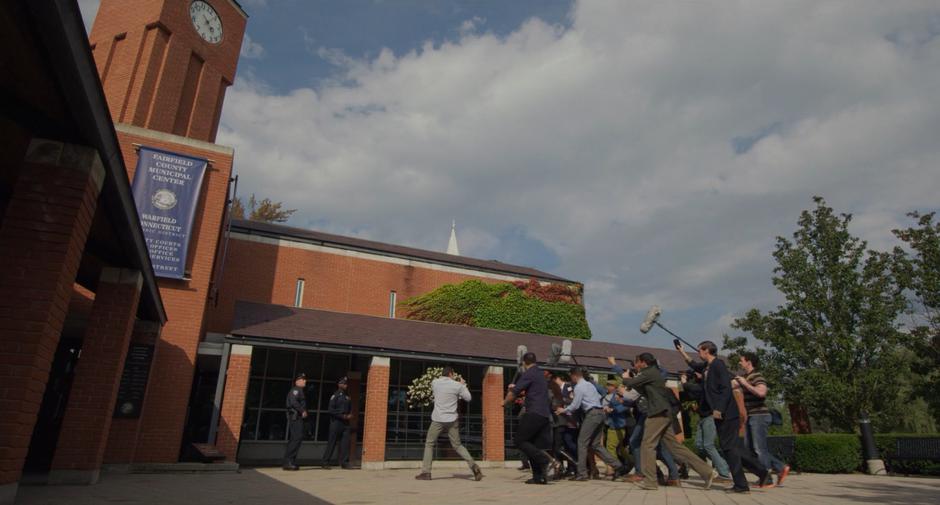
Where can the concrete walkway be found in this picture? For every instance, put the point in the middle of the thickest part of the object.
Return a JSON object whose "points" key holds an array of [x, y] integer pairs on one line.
{"points": [[271, 486]]}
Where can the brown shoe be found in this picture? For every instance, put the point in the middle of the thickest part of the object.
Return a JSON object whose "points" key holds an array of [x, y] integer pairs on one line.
{"points": [[783, 475], [674, 483], [477, 473], [633, 478], [423, 476]]}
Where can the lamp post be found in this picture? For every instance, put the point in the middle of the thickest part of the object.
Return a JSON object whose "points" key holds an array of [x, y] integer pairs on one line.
{"points": [[873, 462]]}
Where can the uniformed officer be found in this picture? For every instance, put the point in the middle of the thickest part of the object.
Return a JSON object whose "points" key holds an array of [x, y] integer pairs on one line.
{"points": [[340, 413], [296, 413]]}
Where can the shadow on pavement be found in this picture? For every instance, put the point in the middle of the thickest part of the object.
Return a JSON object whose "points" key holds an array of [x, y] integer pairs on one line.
{"points": [[907, 492], [249, 487]]}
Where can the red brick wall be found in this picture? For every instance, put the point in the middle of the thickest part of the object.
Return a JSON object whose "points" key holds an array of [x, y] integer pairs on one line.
{"points": [[164, 410], [233, 402], [98, 373], [142, 49], [494, 444], [266, 273], [373, 434], [42, 238]]}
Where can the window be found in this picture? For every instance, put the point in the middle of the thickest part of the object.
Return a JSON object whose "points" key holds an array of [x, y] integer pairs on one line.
{"points": [[392, 296], [299, 293], [270, 381]]}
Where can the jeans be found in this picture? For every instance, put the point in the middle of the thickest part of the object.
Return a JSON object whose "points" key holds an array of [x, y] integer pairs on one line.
{"points": [[756, 439], [658, 430], [636, 441], [590, 436], [664, 454], [705, 438], [736, 454], [453, 433]]}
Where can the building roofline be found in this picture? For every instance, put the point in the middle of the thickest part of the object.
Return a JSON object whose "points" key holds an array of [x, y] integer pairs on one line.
{"points": [[392, 250]]}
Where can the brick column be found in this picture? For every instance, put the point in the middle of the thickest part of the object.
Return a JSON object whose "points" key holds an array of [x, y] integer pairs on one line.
{"points": [[42, 239], [122, 438], [373, 436], [494, 443], [233, 401], [87, 421]]}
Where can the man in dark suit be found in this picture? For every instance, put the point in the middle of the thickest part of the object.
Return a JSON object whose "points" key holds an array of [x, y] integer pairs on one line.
{"points": [[727, 419]]}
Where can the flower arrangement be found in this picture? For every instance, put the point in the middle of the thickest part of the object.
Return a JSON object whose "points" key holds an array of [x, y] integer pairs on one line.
{"points": [[419, 393]]}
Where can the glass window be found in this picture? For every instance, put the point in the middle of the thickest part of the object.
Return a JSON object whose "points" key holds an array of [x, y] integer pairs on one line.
{"points": [[249, 424], [334, 367], [274, 394], [280, 364], [253, 397], [259, 356], [310, 363], [272, 425]]}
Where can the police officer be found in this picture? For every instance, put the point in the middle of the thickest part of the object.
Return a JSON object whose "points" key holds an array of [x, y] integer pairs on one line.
{"points": [[296, 413], [340, 413]]}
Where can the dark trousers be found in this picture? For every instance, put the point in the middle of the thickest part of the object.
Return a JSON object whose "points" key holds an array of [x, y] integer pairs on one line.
{"points": [[531, 437], [295, 435], [736, 455], [339, 433]]}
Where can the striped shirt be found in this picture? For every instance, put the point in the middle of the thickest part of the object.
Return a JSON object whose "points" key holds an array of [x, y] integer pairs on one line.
{"points": [[754, 404]]}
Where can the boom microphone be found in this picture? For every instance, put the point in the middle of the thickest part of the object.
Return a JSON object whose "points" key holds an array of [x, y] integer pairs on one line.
{"points": [[651, 317]]}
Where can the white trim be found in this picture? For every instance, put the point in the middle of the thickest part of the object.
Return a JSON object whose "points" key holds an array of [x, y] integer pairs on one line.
{"points": [[241, 350], [381, 361], [392, 301], [299, 292], [176, 139], [280, 242], [494, 370]]}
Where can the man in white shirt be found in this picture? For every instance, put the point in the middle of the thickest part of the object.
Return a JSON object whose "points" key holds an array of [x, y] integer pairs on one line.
{"points": [[447, 392]]}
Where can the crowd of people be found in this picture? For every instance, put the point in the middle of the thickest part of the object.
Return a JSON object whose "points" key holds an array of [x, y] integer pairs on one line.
{"points": [[568, 421]]}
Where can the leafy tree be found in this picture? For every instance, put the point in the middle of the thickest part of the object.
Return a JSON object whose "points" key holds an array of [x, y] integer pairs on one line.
{"points": [[504, 306], [266, 211], [834, 345], [919, 272]]}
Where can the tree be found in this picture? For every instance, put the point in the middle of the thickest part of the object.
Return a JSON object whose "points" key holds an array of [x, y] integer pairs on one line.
{"points": [[834, 345], [266, 210], [919, 272]]}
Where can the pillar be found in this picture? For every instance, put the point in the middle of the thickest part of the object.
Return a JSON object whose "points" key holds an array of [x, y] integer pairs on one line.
{"points": [[373, 436], [87, 421], [42, 239], [122, 438], [233, 401], [494, 439]]}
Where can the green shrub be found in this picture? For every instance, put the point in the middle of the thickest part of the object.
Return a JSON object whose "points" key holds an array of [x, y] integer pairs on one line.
{"points": [[887, 449], [828, 453], [501, 306]]}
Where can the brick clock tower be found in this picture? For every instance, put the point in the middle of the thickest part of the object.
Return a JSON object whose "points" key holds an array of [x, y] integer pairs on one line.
{"points": [[165, 66]]}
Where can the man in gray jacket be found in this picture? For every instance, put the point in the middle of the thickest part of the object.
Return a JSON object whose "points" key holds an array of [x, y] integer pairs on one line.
{"points": [[447, 392]]}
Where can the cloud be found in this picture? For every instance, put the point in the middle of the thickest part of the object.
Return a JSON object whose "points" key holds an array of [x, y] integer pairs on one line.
{"points": [[89, 9], [651, 150], [250, 49]]}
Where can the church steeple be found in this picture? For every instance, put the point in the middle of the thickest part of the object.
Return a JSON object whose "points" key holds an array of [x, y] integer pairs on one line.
{"points": [[452, 245]]}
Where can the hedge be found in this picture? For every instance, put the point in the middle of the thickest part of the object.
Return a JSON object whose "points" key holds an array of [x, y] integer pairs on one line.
{"points": [[887, 449], [827, 453]]}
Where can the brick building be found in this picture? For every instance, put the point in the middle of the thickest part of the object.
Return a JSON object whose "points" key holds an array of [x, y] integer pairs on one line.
{"points": [[105, 363]]}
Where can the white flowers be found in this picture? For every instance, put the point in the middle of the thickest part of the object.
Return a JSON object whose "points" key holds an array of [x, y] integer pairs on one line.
{"points": [[420, 393]]}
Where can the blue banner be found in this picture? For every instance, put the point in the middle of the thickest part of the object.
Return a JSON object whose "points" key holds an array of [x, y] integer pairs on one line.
{"points": [[166, 190]]}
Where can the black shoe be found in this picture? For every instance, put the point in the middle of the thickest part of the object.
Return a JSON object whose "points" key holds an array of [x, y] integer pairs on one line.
{"points": [[580, 478], [423, 476], [537, 480], [291, 468], [325, 466], [620, 472], [741, 490], [477, 473], [346, 467]]}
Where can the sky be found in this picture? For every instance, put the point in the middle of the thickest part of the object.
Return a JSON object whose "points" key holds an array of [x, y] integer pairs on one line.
{"points": [[651, 150]]}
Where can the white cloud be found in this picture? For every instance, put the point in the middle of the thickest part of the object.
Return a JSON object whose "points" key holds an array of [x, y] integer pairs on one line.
{"points": [[251, 49], [611, 142]]}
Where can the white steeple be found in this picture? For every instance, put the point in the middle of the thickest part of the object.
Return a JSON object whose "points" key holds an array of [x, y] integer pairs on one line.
{"points": [[452, 245]]}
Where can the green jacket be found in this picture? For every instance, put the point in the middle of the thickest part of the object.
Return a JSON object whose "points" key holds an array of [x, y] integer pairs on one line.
{"points": [[651, 385]]}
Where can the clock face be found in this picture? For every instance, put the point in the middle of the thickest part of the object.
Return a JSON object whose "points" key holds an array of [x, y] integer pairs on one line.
{"points": [[206, 21]]}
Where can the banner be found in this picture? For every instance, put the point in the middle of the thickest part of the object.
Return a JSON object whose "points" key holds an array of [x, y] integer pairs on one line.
{"points": [[166, 191]]}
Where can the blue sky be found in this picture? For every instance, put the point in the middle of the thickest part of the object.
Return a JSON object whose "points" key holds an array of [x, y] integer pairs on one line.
{"points": [[652, 150]]}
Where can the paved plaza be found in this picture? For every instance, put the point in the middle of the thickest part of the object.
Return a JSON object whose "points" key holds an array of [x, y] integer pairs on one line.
{"points": [[270, 486]]}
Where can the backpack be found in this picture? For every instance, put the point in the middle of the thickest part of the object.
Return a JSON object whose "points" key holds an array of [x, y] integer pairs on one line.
{"points": [[776, 418]]}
